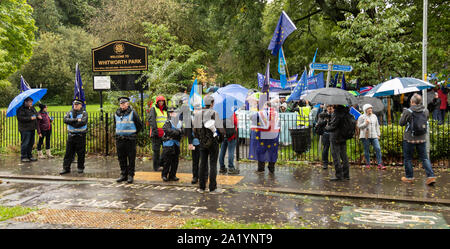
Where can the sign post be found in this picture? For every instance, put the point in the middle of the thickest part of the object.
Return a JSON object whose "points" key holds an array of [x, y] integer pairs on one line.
{"points": [[330, 67]]}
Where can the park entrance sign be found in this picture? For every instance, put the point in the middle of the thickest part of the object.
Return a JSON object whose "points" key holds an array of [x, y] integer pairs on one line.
{"points": [[118, 56]]}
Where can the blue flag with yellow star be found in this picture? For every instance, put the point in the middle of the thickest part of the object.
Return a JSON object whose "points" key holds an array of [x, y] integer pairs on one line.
{"points": [[23, 85], [302, 84], [79, 90], [284, 28]]}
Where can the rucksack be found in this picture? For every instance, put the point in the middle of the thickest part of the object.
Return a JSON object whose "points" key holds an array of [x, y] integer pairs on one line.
{"points": [[319, 129], [348, 126], [418, 123]]}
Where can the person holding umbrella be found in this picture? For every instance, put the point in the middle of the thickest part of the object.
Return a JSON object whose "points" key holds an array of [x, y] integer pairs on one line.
{"points": [[76, 120], [27, 123]]}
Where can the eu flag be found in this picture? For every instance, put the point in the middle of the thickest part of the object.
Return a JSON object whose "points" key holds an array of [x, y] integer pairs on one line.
{"points": [[79, 90], [23, 85], [313, 61], [260, 80], [284, 28], [302, 83], [282, 68], [335, 79], [343, 86], [195, 98]]}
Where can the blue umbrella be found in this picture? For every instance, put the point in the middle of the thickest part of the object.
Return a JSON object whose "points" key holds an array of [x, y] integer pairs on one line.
{"points": [[228, 99], [36, 94], [398, 86]]}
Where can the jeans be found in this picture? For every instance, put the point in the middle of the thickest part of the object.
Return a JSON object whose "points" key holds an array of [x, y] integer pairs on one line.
{"points": [[408, 151], [376, 146], [46, 135], [339, 152], [195, 162], [27, 142], [231, 145], [326, 147], [437, 115]]}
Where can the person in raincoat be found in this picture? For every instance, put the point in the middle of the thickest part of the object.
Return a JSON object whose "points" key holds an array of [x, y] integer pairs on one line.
{"points": [[158, 116]]}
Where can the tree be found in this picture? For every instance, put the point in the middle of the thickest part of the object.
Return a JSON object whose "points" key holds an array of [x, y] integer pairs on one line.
{"points": [[16, 35], [46, 15], [53, 64], [375, 42], [171, 64]]}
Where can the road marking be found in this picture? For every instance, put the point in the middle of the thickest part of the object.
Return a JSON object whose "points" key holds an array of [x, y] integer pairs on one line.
{"points": [[401, 219]]}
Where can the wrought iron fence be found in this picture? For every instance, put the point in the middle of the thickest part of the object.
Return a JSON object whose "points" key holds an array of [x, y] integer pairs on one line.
{"points": [[100, 139]]}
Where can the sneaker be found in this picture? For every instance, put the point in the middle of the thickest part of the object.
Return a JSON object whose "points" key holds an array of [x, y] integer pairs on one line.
{"points": [[223, 170], [25, 160], [334, 179], [174, 179], [407, 180], [202, 191], [216, 191], [80, 171], [431, 181], [32, 159], [381, 166], [194, 180], [64, 171], [325, 166], [233, 171]]}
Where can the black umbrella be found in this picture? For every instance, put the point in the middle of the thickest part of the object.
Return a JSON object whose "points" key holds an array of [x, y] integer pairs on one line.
{"points": [[375, 102], [331, 96]]}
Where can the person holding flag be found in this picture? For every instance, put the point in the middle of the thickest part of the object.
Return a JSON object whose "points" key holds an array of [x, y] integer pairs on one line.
{"points": [[265, 131]]}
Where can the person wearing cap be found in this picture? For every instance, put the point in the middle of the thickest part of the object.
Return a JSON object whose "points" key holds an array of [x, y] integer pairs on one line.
{"points": [[157, 118], [369, 134], [209, 143], [127, 125], [171, 145], [76, 120], [27, 124], [44, 129]]}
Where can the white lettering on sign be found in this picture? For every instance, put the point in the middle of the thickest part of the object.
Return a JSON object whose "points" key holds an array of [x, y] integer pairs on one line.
{"points": [[142, 186], [391, 217]]}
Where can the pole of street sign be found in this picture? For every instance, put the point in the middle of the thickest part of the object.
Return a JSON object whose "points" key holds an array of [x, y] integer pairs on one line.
{"points": [[424, 64], [330, 65]]}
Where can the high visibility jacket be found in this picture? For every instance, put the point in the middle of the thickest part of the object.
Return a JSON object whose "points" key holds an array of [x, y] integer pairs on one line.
{"points": [[125, 125], [161, 117], [303, 116], [77, 130]]}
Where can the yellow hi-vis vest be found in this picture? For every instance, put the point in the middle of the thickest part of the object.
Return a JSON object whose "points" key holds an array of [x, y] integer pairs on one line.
{"points": [[303, 116], [161, 117]]}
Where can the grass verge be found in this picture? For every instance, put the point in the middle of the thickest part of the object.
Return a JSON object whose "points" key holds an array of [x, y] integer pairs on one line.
{"points": [[218, 224], [11, 212]]}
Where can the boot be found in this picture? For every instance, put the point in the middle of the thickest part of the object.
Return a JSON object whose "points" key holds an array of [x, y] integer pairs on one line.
{"points": [[40, 154], [49, 154]]}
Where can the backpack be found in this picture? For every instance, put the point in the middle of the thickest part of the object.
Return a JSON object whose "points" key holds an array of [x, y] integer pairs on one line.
{"points": [[418, 123], [348, 126], [206, 137]]}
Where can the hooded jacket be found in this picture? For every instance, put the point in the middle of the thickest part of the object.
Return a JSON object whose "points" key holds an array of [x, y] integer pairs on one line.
{"points": [[406, 118], [152, 116]]}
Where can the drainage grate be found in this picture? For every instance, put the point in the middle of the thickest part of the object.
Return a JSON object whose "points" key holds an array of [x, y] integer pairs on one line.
{"points": [[90, 219]]}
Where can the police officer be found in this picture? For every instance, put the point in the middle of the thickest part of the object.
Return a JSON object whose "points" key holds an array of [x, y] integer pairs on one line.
{"points": [[303, 114], [76, 120], [128, 125]]}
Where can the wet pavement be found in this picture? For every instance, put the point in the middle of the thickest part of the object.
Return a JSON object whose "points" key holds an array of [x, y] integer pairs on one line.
{"points": [[300, 196]]}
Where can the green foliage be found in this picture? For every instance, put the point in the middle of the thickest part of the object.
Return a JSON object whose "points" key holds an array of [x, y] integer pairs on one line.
{"points": [[11, 212], [8, 93], [16, 35], [171, 64], [46, 15], [373, 42], [53, 64]]}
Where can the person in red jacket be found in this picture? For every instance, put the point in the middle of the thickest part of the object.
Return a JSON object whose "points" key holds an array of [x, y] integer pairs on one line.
{"points": [[158, 116], [443, 96], [44, 130], [230, 142]]}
